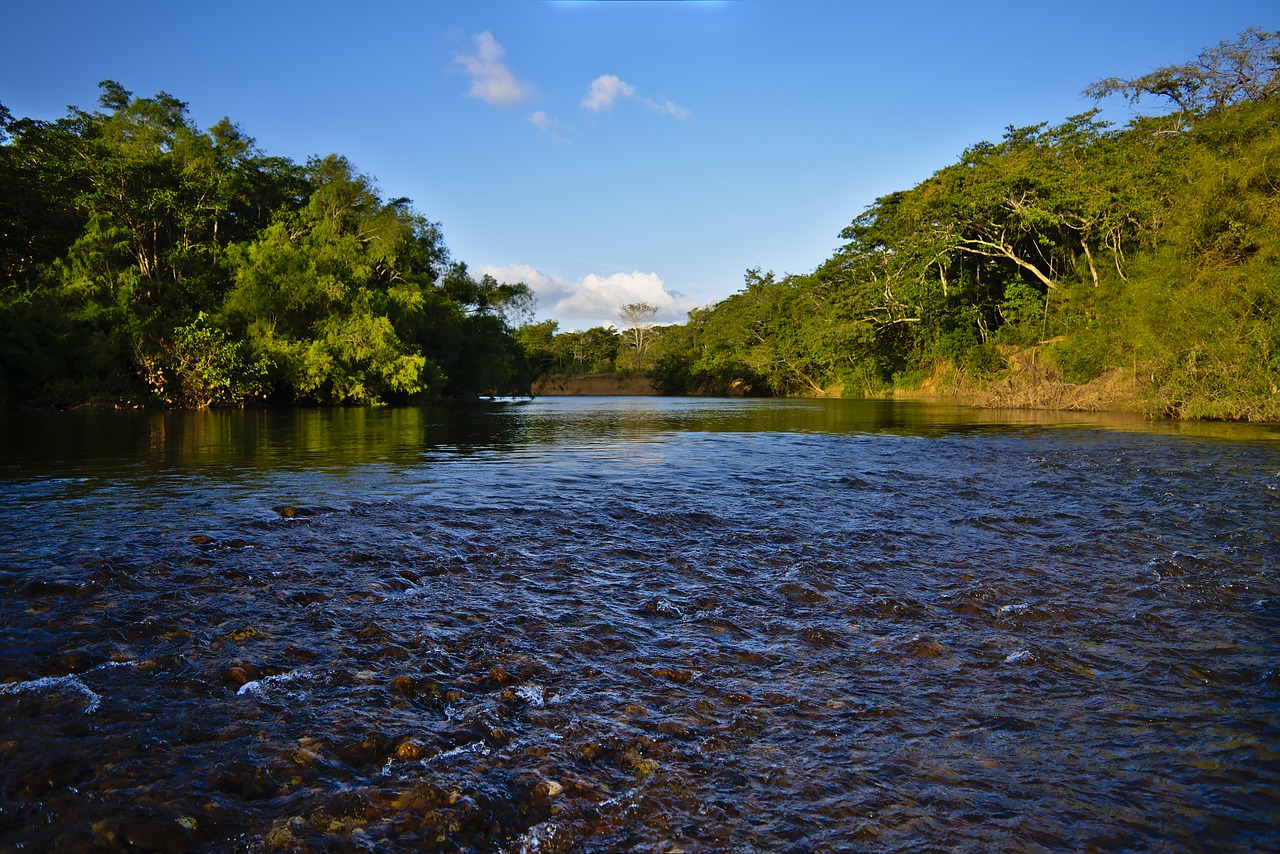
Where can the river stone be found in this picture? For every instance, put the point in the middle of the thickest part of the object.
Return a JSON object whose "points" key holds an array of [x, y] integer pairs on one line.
{"points": [[290, 511], [159, 834], [238, 674]]}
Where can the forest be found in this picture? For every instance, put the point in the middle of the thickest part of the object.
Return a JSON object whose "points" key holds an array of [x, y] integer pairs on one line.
{"points": [[1145, 259], [147, 261]]}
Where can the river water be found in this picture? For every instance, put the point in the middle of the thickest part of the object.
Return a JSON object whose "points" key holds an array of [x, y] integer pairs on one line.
{"points": [[638, 624]]}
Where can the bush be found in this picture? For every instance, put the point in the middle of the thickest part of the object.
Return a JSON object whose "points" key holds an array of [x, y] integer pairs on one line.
{"points": [[201, 367], [1082, 357]]}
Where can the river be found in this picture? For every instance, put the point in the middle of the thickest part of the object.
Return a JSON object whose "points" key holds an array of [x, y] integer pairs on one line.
{"points": [[644, 624]]}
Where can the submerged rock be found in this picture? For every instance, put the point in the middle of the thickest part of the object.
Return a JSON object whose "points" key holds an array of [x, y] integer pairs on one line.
{"points": [[239, 674], [409, 749], [660, 607], [290, 511], [677, 676]]}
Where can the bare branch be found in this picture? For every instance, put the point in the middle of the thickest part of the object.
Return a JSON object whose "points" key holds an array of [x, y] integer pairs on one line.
{"points": [[1001, 250], [1244, 70]]}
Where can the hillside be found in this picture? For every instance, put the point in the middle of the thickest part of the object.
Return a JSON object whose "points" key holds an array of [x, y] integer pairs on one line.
{"points": [[1133, 266]]}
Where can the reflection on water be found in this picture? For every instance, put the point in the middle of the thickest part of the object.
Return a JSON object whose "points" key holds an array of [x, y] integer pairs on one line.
{"points": [[335, 438], [638, 624]]}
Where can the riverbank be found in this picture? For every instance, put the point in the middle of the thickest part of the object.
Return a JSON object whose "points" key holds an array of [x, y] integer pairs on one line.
{"points": [[1023, 386], [1029, 383], [595, 385]]}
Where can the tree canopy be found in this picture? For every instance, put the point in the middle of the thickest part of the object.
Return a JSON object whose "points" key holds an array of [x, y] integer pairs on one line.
{"points": [[143, 258], [146, 259], [1083, 247], [1243, 70]]}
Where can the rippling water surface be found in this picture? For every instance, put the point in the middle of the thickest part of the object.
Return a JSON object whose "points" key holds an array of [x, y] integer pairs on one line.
{"points": [[637, 624]]}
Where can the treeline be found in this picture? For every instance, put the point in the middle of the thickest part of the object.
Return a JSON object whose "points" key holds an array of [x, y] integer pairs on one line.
{"points": [[144, 259], [1151, 252]]}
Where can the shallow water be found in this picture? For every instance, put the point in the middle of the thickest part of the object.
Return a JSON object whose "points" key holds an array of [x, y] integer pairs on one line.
{"points": [[649, 624]]}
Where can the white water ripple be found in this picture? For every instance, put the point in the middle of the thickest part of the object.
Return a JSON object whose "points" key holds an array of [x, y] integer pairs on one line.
{"points": [[260, 686], [53, 683]]}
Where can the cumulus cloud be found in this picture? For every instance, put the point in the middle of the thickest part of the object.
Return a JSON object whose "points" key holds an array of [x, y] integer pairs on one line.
{"points": [[606, 89], [594, 297], [491, 80], [511, 274], [602, 296]]}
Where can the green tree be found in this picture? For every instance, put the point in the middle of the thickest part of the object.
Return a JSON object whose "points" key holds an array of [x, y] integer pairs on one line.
{"points": [[202, 367], [537, 343], [322, 293], [1243, 70], [482, 355]]}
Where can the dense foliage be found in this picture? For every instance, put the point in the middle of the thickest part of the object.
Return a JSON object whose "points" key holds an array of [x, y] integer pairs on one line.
{"points": [[1151, 253], [143, 259]]}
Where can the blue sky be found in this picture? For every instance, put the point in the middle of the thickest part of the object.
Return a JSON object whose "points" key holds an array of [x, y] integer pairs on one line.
{"points": [[610, 152]]}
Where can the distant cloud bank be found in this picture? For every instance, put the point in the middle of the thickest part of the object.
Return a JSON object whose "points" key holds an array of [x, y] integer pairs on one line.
{"points": [[595, 297]]}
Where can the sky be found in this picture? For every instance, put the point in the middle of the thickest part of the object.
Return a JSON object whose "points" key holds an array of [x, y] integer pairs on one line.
{"points": [[613, 152]]}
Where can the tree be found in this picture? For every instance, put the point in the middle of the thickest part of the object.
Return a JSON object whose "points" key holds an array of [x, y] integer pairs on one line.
{"points": [[590, 351], [537, 346], [637, 319], [1233, 72], [330, 295], [142, 256], [514, 303], [202, 367]]}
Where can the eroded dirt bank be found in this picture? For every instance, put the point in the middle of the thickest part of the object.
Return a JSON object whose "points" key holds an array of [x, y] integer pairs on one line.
{"points": [[604, 385]]}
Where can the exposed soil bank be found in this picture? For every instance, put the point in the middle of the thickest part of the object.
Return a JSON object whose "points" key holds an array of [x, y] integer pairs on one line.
{"points": [[595, 385]]}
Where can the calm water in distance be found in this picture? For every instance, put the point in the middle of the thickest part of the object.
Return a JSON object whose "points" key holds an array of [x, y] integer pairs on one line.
{"points": [[600, 624]]}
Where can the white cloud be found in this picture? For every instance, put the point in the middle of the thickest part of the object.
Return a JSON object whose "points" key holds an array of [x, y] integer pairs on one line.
{"points": [[594, 297], [602, 296], [515, 273], [606, 89], [491, 80], [549, 126], [667, 107]]}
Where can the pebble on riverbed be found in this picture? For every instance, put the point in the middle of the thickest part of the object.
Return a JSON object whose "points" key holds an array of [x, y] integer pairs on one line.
{"points": [[409, 749], [917, 646], [677, 676], [159, 834], [236, 675], [289, 511]]}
